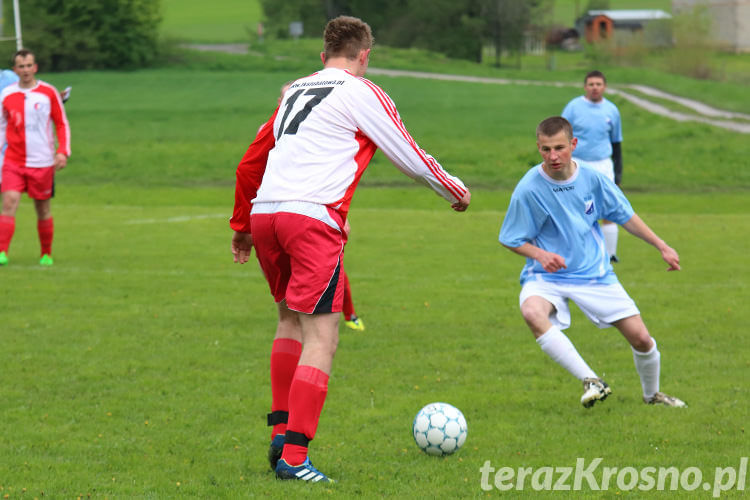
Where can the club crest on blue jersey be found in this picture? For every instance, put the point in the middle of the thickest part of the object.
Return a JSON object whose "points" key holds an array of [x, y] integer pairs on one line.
{"points": [[589, 208]]}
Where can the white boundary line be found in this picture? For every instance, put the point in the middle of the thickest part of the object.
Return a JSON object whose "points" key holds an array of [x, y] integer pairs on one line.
{"points": [[179, 218]]}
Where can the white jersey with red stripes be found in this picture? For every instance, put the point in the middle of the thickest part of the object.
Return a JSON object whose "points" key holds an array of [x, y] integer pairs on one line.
{"points": [[26, 125], [327, 129]]}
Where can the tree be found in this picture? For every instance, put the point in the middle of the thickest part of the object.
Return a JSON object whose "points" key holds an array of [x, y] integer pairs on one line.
{"points": [[452, 27], [507, 22], [312, 13], [456, 28], [87, 34]]}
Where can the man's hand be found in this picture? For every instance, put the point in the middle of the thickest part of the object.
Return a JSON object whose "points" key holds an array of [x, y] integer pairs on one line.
{"points": [[60, 161], [551, 262], [670, 257], [242, 245], [462, 204]]}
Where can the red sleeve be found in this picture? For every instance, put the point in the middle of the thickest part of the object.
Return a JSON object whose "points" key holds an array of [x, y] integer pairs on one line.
{"points": [[250, 174]]}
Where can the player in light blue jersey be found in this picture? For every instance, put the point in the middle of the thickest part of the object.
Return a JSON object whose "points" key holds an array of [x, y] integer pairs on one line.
{"points": [[7, 77], [552, 221], [598, 128]]}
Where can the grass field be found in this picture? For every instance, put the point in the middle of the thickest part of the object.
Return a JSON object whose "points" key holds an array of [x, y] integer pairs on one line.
{"points": [[220, 21], [138, 365]]}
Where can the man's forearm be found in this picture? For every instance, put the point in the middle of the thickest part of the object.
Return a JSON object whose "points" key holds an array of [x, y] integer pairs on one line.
{"points": [[637, 227]]}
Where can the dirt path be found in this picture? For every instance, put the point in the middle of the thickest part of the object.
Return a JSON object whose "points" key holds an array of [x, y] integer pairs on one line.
{"points": [[228, 48], [705, 114]]}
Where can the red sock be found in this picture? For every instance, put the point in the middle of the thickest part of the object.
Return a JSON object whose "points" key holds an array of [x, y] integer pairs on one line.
{"points": [[7, 228], [306, 398], [348, 304], [285, 354], [46, 230]]}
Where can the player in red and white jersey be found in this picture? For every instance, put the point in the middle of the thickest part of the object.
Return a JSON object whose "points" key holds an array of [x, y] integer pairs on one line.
{"points": [[294, 187], [351, 319], [31, 109]]}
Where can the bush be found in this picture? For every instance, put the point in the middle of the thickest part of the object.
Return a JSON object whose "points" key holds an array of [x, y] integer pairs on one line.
{"points": [[89, 34], [693, 47]]}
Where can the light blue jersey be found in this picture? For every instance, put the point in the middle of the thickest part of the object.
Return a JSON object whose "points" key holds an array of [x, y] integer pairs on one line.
{"points": [[561, 217], [596, 125], [7, 77]]}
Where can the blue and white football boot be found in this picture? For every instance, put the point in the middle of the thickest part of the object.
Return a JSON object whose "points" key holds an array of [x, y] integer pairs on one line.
{"points": [[304, 472]]}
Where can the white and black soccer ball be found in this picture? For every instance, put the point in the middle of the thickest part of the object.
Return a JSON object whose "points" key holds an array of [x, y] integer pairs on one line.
{"points": [[439, 429]]}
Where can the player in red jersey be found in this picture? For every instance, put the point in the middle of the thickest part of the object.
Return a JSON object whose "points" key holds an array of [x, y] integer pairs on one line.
{"points": [[30, 107], [294, 187]]}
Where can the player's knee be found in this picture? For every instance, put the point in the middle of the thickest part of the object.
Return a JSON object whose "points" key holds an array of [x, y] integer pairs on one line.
{"points": [[534, 311], [642, 343], [10, 203]]}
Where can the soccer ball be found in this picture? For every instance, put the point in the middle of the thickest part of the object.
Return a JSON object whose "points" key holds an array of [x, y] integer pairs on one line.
{"points": [[439, 429]]}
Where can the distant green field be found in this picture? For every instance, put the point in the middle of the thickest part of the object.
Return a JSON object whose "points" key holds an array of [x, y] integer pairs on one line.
{"points": [[218, 21], [166, 133]]}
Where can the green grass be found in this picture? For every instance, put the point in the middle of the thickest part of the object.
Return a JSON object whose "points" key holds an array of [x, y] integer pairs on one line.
{"points": [[142, 138], [137, 366], [220, 21], [289, 57]]}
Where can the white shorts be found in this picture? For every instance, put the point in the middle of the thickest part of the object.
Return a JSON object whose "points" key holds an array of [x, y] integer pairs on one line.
{"points": [[602, 304], [604, 166]]}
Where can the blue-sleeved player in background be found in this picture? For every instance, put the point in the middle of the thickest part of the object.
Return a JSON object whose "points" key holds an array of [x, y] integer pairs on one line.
{"points": [[7, 77], [597, 126], [552, 220]]}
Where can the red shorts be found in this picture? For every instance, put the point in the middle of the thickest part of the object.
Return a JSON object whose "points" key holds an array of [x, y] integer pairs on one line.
{"points": [[38, 182], [302, 259]]}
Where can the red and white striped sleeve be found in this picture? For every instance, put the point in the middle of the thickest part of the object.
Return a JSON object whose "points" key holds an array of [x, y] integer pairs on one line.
{"points": [[378, 118], [59, 118]]}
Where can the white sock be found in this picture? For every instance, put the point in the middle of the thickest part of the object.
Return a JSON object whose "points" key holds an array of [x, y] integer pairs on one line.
{"points": [[559, 347], [610, 232], [647, 364]]}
